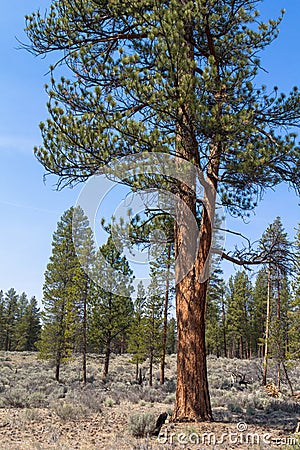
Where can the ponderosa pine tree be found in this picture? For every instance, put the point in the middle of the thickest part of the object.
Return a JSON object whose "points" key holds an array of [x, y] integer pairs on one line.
{"points": [[81, 283], [275, 243], [154, 307], [260, 297], [238, 315], [22, 304], [28, 328], [10, 318], [216, 340], [111, 308], [63, 287], [162, 269], [175, 76]]}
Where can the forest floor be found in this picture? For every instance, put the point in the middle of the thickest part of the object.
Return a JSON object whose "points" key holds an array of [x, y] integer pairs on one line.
{"points": [[38, 413]]}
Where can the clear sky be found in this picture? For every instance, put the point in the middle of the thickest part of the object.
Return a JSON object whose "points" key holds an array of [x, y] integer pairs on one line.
{"points": [[30, 209]]}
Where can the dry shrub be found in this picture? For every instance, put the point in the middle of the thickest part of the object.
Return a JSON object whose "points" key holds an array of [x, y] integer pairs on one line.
{"points": [[141, 425], [70, 411]]}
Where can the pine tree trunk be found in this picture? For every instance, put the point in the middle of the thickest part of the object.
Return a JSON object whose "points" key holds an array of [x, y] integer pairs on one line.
{"points": [[140, 377], [137, 371], [192, 395], [224, 329], [6, 344], [84, 326], [241, 348], [106, 360], [288, 378], [265, 365], [165, 320], [151, 368], [279, 337], [57, 368]]}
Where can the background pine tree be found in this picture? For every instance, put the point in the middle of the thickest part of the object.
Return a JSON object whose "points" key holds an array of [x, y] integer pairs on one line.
{"points": [[28, 329], [111, 308], [64, 279]]}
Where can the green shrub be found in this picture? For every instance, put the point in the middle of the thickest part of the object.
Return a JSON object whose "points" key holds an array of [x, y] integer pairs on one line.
{"points": [[109, 402]]}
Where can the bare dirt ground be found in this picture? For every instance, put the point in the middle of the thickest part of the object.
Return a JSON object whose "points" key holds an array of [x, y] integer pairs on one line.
{"points": [[38, 413]]}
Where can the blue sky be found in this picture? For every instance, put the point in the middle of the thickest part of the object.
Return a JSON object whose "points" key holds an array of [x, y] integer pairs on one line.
{"points": [[30, 209]]}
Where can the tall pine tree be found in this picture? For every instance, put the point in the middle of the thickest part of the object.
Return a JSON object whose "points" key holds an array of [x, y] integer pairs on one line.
{"points": [[276, 244], [111, 305], [177, 77], [10, 318], [65, 282], [28, 329], [238, 315]]}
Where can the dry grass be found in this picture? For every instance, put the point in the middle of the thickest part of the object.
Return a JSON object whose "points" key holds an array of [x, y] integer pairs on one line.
{"points": [[36, 412]]}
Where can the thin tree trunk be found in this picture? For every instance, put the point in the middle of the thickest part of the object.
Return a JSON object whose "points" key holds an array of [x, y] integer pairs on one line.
{"points": [[165, 320], [140, 377], [106, 360], [137, 371], [279, 336], [84, 339], [287, 378], [241, 348], [57, 368], [224, 328], [6, 343], [265, 364], [151, 368]]}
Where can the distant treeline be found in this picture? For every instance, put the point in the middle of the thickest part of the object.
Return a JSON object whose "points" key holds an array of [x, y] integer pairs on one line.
{"points": [[254, 314]]}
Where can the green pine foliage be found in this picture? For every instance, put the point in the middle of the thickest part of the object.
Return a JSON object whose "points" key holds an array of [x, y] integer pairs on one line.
{"points": [[216, 315], [19, 322], [171, 336], [135, 70], [10, 318], [239, 302], [28, 329]]}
